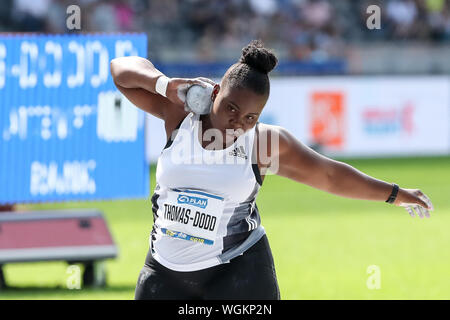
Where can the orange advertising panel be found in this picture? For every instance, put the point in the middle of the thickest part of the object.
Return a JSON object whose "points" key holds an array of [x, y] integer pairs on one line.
{"points": [[327, 125]]}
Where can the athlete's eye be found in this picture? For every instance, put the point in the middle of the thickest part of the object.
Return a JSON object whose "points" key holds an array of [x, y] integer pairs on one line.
{"points": [[232, 109]]}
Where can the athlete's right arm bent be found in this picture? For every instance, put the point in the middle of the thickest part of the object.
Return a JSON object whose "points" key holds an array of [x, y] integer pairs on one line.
{"points": [[136, 78]]}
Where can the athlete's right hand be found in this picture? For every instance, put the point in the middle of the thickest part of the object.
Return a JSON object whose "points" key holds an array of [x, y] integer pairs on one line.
{"points": [[177, 89]]}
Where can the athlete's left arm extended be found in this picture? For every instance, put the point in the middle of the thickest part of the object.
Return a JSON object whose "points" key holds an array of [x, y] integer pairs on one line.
{"points": [[296, 161]]}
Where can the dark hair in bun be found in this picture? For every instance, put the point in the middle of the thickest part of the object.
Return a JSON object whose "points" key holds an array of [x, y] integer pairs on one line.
{"points": [[258, 57], [251, 72]]}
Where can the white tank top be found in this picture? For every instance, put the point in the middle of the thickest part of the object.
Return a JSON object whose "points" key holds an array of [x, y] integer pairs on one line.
{"points": [[204, 203]]}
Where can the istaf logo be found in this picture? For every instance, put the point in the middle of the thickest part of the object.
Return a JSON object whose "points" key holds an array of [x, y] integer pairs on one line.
{"points": [[195, 201]]}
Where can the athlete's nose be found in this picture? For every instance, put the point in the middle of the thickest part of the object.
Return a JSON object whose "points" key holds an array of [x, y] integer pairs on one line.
{"points": [[235, 123]]}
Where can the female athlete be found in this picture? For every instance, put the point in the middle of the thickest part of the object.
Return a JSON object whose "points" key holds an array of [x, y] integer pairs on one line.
{"points": [[207, 240]]}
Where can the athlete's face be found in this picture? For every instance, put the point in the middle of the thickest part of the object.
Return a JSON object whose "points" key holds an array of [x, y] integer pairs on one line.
{"points": [[236, 109]]}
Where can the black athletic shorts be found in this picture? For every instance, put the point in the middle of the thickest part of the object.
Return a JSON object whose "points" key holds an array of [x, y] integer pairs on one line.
{"points": [[250, 276]]}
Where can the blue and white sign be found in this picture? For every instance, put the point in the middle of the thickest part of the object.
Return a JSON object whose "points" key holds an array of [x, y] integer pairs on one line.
{"points": [[66, 132]]}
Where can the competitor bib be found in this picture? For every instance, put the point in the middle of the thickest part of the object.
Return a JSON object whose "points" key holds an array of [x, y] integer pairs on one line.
{"points": [[191, 215]]}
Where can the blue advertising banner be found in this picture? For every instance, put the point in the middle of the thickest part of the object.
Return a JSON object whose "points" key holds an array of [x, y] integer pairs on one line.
{"points": [[66, 132]]}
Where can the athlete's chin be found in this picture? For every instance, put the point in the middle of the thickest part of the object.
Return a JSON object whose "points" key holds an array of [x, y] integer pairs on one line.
{"points": [[232, 135], [235, 133]]}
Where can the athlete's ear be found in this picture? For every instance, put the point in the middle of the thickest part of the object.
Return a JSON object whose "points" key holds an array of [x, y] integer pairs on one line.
{"points": [[215, 92]]}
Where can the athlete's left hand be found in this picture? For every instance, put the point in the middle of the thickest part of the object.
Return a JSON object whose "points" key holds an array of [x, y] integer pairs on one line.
{"points": [[414, 200], [207, 80]]}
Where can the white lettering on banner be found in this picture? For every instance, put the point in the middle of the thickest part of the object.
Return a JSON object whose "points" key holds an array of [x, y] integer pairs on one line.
{"points": [[124, 48], [20, 119], [61, 128], [45, 131], [117, 118], [87, 55], [77, 79], [90, 61], [96, 48], [53, 79], [80, 113], [74, 179], [22, 123], [27, 78]]}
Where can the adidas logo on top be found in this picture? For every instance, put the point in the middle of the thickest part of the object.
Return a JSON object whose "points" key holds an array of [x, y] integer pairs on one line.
{"points": [[238, 152]]}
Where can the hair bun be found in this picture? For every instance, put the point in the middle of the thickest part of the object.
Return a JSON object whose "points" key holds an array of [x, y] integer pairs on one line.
{"points": [[258, 57]]}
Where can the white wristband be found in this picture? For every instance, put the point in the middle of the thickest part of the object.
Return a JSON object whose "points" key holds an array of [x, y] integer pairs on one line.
{"points": [[161, 85]]}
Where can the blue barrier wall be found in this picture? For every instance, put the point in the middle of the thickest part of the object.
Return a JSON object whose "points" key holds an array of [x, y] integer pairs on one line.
{"points": [[66, 133]]}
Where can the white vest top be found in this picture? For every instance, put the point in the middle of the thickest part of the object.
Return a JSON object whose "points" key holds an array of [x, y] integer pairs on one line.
{"points": [[204, 203]]}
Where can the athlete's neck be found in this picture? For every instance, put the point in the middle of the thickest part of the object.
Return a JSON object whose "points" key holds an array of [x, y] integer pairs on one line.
{"points": [[206, 122]]}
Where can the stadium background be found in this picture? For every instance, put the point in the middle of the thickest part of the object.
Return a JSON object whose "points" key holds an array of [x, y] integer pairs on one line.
{"points": [[384, 92]]}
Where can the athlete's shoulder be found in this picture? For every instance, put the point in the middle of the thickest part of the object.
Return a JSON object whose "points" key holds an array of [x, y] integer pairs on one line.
{"points": [[272, 136], [262, 128], [270, 140]]}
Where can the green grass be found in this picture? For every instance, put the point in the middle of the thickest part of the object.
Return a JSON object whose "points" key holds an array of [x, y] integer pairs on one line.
{"points": [[322, 244]]}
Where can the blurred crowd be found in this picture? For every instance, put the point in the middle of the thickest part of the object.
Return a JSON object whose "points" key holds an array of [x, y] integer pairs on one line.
{"points": [[212, 30]]}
